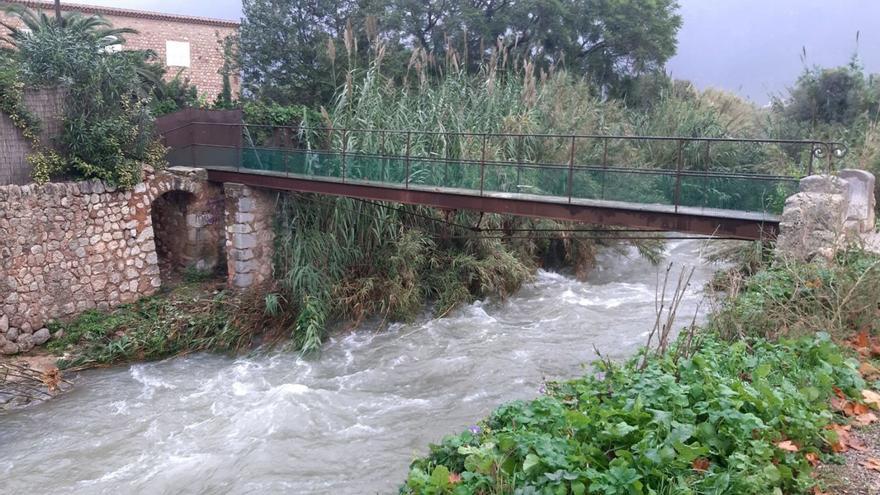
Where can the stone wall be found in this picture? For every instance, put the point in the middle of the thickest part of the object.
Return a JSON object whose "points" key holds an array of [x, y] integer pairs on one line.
{"points": [[48, 106], [828, 214], [69, 247]]}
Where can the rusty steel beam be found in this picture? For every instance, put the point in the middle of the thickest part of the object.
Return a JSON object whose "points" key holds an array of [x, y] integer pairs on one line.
{"points": [[596, 214]]}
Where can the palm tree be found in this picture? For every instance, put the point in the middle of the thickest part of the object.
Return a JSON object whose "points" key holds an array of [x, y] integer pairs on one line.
{"points": [[102, 33], [90, 31]]}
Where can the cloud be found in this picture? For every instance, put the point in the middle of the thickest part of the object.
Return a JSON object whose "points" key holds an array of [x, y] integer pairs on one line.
{"points": [[221, 9]]}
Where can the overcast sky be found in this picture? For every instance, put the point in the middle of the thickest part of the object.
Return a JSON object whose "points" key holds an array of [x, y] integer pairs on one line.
{"points": [[753, 47]]}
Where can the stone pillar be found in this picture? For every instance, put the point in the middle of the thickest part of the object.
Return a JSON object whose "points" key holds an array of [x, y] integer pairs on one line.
{"points": [[249, 235], [860, 215], [829, 213]]}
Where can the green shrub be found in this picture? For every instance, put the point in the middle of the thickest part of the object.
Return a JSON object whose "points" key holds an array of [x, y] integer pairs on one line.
{"points": [[708, 424], [108, 127], [788, 298]]}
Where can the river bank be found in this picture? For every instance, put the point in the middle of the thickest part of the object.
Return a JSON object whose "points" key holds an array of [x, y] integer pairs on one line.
{"points": [[781, 380], [349, 421]]}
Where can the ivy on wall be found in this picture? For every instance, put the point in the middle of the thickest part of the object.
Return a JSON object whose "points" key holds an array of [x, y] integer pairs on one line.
{"points": [[12, 105]]}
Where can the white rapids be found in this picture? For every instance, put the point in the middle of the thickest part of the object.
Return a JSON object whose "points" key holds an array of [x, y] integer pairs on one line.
{"points": [[347, 422]]}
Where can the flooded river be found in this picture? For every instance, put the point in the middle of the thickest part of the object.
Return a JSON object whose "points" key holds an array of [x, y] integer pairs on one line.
{"points": [[349, 422]]}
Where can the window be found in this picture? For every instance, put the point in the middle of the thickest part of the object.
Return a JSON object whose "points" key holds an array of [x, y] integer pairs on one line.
{"points": [[177, 53]]}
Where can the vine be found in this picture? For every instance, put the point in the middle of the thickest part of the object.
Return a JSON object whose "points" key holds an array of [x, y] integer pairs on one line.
{"points": [[12, 104]]}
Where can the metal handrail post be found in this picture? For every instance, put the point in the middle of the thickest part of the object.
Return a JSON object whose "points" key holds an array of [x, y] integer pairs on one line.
{"points": [[678, 167], [604, 165], [519, 158], [382, 176], [483, 164], [810, 163], [408, 144], [344, 149], [571, 170]]}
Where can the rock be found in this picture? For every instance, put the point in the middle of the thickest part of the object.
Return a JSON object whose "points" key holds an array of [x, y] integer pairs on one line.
{"points": [[9, 348], [825, 184], [41, 336], [12, 334], [25, 342], [4, 323]]}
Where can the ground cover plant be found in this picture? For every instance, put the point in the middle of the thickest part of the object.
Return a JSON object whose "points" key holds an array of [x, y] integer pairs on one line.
{"points": [[196, 316], [739, 419], [791, 298], [746, 411]]}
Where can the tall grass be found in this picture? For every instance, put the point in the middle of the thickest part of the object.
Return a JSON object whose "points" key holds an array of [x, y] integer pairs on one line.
{"points": [[344, 259]]}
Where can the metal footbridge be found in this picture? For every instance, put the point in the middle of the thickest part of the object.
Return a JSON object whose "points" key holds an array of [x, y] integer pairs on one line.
{"points": [[731, 188]]}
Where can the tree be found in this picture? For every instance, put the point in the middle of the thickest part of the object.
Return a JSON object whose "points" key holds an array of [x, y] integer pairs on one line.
{"points": [[284, 47], [837, 96], [606, 40], [288, 47]]}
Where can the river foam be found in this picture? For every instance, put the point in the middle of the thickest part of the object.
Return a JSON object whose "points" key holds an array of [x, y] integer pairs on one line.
{"points": [[349, 422]]}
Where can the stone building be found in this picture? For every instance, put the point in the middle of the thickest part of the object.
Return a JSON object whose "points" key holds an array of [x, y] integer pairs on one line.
{"points": [[187, 45]]}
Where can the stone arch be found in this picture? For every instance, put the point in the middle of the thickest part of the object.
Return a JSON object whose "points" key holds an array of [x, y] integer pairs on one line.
{"points": [[186, 215]]}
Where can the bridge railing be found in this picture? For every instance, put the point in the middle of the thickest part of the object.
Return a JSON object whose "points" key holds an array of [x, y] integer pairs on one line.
{"points": [[734, 174]]}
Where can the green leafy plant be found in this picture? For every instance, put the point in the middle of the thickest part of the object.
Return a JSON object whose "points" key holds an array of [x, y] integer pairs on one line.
{"points": [[733, 418], [107, 129], [12, 101]]}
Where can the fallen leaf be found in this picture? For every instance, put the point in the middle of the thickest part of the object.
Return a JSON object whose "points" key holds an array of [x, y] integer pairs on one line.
{"points": [[856, 444], [854, 409], [871, 398], [51, 378], [838, 404], [875, 350], [843, 438], [871, 463], [869, 371], [788, 446], [866, 419], [812, 458], [700, 464], [817, 491], [862, 339]]}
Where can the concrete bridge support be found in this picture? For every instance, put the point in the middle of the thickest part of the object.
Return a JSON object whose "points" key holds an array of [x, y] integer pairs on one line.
{"points": [[829, 213]]}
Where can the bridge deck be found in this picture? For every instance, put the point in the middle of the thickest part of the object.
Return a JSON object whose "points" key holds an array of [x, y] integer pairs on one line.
{"points": [[688, 219]]}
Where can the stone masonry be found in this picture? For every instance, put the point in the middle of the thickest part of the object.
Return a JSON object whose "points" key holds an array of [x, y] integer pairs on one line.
{"points": [[69, 247], [249, 235], [827, 214]]}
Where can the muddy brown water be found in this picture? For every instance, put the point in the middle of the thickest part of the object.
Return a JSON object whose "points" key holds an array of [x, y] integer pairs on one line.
{"points": [[348, 422]]}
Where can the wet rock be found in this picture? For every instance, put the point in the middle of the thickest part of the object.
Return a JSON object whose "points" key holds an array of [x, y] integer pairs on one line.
{"points": [[41, 336], [12, 334]]}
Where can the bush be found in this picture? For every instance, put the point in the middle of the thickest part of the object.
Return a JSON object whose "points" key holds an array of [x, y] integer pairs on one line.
{"points": [[791, 299], [711, 424], [108, 127]]}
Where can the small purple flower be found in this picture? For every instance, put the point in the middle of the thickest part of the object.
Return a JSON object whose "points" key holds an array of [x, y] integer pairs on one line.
{"points": [[542, 390], [475, 429], [600, 376]]}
